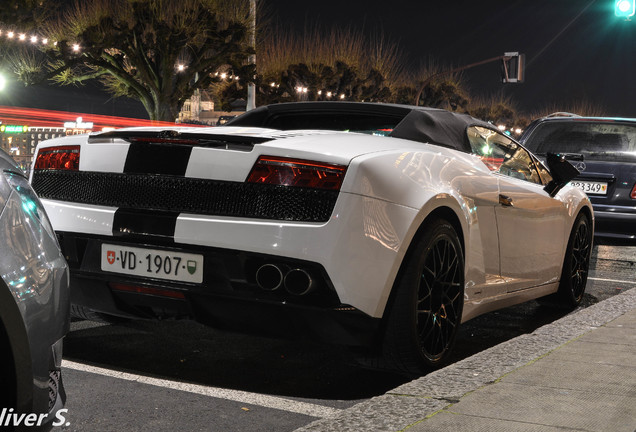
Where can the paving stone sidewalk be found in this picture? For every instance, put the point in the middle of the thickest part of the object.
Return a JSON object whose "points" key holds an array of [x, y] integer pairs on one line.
{"points": [[577, 373]]}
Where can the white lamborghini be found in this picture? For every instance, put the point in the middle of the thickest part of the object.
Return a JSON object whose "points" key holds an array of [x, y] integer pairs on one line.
{"points": [[371, 225]]}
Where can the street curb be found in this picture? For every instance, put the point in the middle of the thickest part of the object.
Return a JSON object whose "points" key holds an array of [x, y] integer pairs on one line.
{"points": [[412, 402]]}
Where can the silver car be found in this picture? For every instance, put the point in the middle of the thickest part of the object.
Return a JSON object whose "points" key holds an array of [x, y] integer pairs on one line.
{"points": [[34, 308]]}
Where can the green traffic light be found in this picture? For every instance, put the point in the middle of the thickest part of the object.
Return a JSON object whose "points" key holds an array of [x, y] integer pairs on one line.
{"points": [[625, 8]]}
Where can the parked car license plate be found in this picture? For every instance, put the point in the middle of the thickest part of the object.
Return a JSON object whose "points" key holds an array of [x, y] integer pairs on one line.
{"points": [[591, 187], [154, 263]]}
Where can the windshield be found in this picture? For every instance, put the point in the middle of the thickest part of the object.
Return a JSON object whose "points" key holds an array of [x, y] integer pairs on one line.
{"points": [[585, 140]]}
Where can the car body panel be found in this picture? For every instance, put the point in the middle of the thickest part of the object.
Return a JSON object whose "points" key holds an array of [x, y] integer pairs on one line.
{"points": [[34, 297], [349, 241], [364, 197], [535, 231]]}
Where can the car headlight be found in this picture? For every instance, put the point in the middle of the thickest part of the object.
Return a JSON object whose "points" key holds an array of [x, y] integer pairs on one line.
{"points": [[30, 253], [30, 202]]}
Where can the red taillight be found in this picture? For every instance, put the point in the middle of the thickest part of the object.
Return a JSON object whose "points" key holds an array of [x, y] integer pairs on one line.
{"points": [[633, 194], [58, 158], [295, 172]]}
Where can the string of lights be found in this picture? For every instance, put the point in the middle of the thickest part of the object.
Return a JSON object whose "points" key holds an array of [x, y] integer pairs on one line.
{"points": [[18, 36], [180, 67]]}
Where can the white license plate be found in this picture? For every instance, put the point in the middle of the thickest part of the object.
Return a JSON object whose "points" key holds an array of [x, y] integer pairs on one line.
{"points": [[153, 263], [591, 187]]}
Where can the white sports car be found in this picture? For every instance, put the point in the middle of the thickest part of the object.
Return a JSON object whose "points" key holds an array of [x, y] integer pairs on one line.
{"points": [[371, 225]]}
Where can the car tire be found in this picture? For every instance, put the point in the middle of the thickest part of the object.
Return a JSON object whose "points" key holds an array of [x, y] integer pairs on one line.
{"points": [[426, 310], [83, 313], [576, 266]]}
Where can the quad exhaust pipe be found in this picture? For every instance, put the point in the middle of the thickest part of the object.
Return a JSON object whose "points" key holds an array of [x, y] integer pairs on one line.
{"points": [[298, 282], [271, 277]]}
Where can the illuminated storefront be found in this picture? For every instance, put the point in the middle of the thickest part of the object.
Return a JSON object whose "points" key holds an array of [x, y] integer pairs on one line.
{"points": [[20, 140]]}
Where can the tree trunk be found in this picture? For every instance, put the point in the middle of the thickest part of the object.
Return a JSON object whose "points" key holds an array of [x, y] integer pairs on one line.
{"points": [[164, 111]]}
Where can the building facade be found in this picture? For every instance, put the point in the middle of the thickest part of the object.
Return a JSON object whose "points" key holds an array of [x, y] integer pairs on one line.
{"points": [[20, 141]]}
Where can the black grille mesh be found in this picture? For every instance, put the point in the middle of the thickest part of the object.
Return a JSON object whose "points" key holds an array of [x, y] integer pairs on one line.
{"points": [[186, 195]]}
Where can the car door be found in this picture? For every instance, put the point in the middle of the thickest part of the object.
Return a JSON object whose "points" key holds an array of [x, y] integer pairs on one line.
{"points": [[530, 223]]}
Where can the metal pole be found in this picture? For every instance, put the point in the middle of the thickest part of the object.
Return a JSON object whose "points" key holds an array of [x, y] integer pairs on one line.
{"points": [[451, 71], [251, 87], [195, 109]]}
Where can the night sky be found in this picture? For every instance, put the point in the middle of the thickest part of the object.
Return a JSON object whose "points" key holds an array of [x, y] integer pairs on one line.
{"points": [[576, 50]]}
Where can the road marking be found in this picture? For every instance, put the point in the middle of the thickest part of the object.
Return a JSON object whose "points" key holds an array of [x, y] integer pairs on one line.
{"points": [[274, 402], [612, 280]]}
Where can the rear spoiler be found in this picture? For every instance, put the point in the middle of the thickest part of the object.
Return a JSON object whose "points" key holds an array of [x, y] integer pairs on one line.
{"points": [[171, 136]]}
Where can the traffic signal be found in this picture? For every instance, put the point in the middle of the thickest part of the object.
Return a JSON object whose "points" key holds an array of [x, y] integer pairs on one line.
{"points": [[513, 67], [625, 8]]}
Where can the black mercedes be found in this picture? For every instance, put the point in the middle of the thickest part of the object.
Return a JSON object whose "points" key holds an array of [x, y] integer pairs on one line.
{"points": [[604, 151]]}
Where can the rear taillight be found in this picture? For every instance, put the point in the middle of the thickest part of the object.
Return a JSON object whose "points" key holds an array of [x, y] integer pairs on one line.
{"points": [[58, 158], [295, 172], [633, 194]]}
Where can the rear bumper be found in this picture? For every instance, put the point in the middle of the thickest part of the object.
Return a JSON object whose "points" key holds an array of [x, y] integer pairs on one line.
{"points": [[614, 225], [360, 247], [229, 297]]}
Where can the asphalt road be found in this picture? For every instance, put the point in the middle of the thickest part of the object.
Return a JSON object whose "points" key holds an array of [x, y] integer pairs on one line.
{"points": [[166, 376]]}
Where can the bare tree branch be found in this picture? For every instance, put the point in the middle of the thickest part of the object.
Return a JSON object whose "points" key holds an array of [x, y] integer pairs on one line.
{"points": [[133, 46]]}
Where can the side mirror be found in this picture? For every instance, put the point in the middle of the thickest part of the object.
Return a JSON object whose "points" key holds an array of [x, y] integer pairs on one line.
{"points": [[562, 172]]}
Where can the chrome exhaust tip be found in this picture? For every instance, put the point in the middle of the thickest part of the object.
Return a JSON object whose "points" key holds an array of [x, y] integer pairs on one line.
{"points": [[269, 277], [298, 282]]}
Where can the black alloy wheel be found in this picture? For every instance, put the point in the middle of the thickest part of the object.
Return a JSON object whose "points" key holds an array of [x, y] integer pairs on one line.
{"points": [[576, 267], [426, 310], [577, 263], [440, 298]]}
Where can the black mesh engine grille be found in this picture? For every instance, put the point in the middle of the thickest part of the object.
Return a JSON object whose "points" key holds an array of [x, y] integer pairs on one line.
{"points": [[186, 195]]}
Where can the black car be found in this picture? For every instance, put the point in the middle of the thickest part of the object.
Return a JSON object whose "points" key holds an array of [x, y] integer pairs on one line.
{"points": [[604, 151], [34, 308]]}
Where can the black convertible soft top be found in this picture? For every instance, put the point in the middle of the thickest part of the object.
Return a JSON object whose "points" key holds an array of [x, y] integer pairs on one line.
{"points": [[426, 125]]}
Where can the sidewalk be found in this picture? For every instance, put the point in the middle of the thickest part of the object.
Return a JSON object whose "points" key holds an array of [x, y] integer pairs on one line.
{"points": [[577, 373]]}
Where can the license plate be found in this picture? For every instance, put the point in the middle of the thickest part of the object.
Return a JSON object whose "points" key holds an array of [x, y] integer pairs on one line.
{"points": [[591, 187], [154, 263]]}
